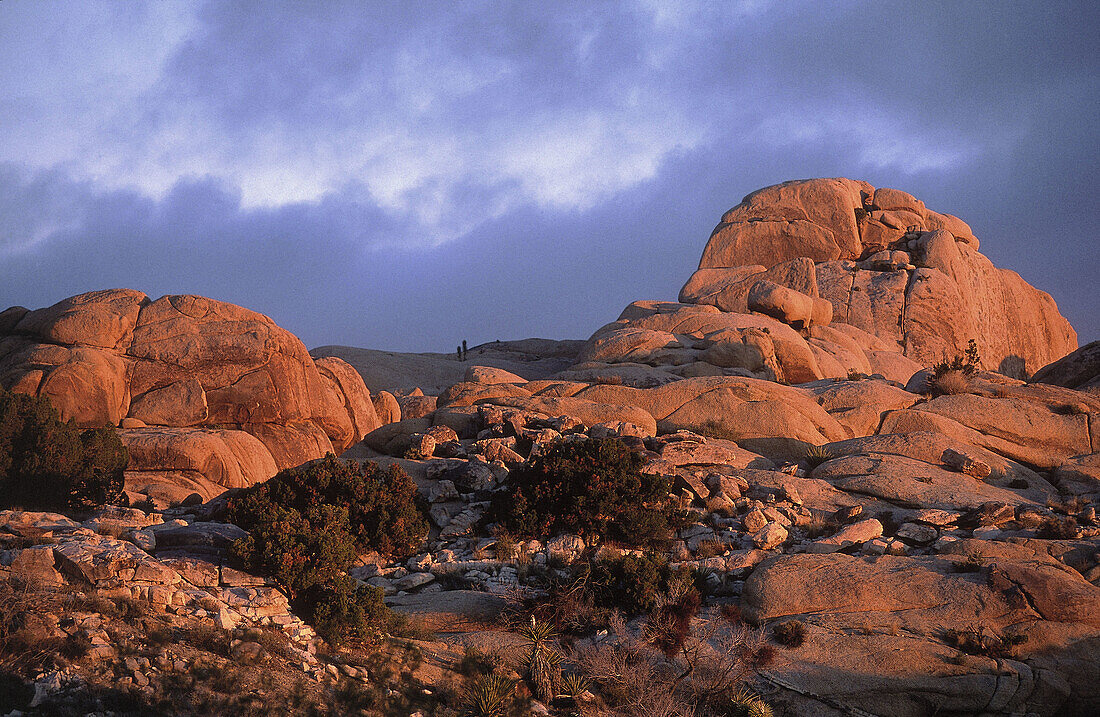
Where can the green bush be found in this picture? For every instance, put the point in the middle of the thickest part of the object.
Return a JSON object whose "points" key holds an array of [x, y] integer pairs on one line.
{"points": [[967, 363], [384, 511], [342, 610], [298, 550], [306, 526], [45, 463], [593, 488], [634, 584]]}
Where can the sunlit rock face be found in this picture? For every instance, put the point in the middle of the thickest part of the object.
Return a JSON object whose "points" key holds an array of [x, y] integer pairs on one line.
{"points": [[208, 395], [825, 277]]}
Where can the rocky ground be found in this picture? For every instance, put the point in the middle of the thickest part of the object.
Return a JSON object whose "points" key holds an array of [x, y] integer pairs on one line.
{"points": [[937, 540]]}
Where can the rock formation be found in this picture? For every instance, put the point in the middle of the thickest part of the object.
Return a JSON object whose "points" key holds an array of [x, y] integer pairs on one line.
{"points": [[935, 551], [1079, 370], [825, 277], [208, 395]]}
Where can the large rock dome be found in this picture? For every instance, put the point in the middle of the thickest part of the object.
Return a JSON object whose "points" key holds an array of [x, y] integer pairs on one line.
{"points": [[209, 395], [820, 278]]}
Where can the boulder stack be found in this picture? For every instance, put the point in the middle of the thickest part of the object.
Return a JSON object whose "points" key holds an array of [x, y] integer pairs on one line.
{"points": [[824, 278], [208, 395]]}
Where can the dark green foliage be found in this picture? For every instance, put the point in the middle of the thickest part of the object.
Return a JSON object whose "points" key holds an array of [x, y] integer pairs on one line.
{"points": [[45, 463], [382, 505], [634, 584], [298, 550], [968, 363], [593, 488], [306, 526], [342, 610], [98, 479]]}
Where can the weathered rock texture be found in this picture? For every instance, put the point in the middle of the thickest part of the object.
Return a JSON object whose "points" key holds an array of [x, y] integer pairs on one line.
{"points": [[210, 395], [825, 277], [1079, 370]]}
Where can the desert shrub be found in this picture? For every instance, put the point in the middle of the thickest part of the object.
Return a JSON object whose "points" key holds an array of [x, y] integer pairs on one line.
{"points": [[670, 623], [475, 663], [1056, 528], [543, 660], [342, 610], [816, 455], [634, 584], [635, 676], [490, 696], [976, 640], [306, 525], [712, 428], [384, 511], [298, 550], [966, 363], [594, 488], [950, 383], [45, 463], [790, 634]]}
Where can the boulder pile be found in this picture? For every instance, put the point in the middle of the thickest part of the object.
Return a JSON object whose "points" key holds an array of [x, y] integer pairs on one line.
{"points": [[208, 395], [822, 278]]}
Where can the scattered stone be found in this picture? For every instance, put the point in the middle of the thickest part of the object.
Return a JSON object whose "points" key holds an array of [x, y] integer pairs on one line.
{"points": [[965, 464], [754, 521], [917, 533], [849, 535], [770, 536]]}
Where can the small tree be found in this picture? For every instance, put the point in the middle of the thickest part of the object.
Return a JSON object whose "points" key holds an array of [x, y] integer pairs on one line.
{"points": [[594, 488], [307, 524], [45, 463]]}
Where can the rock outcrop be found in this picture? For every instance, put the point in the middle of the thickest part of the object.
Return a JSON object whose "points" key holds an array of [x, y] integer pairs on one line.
{"points": [[209, 395], [1079, 370], [842, 278]]}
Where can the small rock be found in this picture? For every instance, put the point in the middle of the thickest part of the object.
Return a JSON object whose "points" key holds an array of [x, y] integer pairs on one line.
{"points": [[917, 533], [421, 447], [939, 518], [226, 619], [965, 464], [754, 521], [413, 581], [853, 534], [845, 515], [247, 652], [770, 536], [441, 491]]}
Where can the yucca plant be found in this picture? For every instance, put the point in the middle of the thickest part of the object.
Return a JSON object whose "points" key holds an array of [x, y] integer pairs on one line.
{"points": [[544, 662], [816, 455], [573, 686], [489, 696], [746, 704]]}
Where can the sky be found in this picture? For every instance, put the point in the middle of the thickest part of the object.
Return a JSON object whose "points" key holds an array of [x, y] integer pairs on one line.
{"points": [[407, 175]]}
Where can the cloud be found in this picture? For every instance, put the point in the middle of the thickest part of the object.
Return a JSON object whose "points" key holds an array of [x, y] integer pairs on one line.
{"points": [[383, 175]]}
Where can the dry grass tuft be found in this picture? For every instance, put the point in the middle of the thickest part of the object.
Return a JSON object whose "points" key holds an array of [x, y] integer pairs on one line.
{"points": [[951, 383]]}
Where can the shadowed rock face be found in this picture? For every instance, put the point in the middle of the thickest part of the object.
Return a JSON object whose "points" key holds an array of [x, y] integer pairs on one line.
{"points": [[184, 376], [1079, 370], [844, 278]]}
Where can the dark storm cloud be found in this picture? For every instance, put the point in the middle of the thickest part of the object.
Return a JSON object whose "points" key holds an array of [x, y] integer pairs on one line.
{"points": [[406, 176]]}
